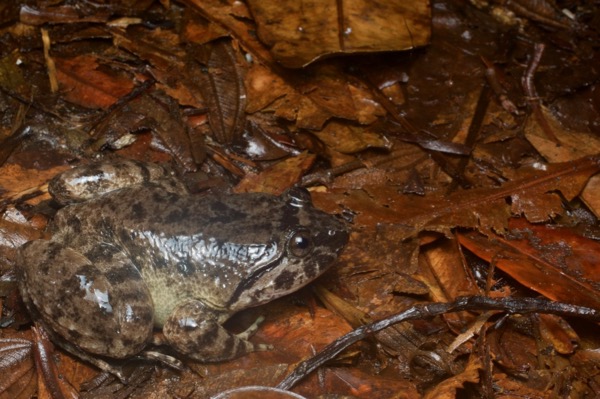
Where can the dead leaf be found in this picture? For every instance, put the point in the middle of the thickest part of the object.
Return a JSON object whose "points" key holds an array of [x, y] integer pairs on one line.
{"points": [[447, 278], [278, 177], [86, 84], [299, 33], [447, 388], [150, 110], [550, 260], [568, 149], [219, 77], [225, 14], [558, 333], [350, 139], [532, 193], [17, 369]]}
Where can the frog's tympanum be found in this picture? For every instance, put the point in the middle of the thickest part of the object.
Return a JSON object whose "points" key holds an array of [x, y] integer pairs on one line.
{"points": [[148, 255]]}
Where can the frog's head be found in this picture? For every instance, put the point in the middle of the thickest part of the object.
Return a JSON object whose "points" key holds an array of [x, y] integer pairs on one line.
{"points": [[307, 244]]}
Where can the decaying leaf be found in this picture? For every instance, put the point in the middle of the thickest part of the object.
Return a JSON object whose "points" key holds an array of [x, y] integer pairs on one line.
{"points": [[17, 369], [532, 193], [551, 260], [569, 148], [85, 84], [153, 111], [278, 177], [298, 33], [221, 82], [447, 389]]}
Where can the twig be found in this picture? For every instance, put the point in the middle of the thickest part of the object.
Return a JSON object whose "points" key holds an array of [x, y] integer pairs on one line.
{"points": [[531, 93], [422, 311]]}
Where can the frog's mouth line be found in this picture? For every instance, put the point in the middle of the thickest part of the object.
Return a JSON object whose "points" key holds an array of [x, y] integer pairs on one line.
{"points": [[252, 280]]}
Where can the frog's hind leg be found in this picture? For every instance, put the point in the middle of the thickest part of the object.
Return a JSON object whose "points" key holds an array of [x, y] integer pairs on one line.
{"points": [[192, 329], [101, 307]]}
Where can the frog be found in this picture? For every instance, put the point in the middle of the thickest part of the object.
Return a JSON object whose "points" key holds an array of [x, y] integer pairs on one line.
{"points": [[132, 251]]}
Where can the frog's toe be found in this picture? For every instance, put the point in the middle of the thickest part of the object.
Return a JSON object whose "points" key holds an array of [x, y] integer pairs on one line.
{"points": [[252, 329], [263, 347]]}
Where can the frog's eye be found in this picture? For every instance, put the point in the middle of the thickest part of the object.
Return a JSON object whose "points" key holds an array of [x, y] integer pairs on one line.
{"points": [[300, 244]]}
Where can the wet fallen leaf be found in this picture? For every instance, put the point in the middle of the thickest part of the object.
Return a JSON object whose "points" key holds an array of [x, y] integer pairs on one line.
{"points": [[569, 148], [447, 388], [532, 193], [551, 260], [278, 177], [86, 84]]}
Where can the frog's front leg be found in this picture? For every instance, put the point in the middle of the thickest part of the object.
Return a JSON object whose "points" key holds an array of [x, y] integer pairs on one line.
{"points": [[194, 330]]}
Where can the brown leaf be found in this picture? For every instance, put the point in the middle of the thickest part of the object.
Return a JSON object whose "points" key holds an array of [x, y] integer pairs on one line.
{"points": [[443, 270], [350, 139], [243, 30], [154, 111], [220, 80], [558, 333], [159, 47], [531, 193], [569, 148], [16, 368], [299, 33], [550, 260], [85, 84], [277, 178], [310, 101], [447, 388]]}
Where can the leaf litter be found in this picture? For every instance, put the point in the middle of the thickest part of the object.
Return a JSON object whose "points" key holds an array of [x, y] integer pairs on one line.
{"points": [[464, 167]]}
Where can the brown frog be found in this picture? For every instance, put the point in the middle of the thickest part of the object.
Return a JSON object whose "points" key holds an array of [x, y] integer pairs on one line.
{"points": [[129, 259]]}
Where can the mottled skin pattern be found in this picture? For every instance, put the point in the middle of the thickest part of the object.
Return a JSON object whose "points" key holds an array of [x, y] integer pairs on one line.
{"points": [[151, 255]]}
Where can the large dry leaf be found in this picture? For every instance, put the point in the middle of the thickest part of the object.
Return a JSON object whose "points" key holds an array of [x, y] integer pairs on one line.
{"points": [[299, 32]]}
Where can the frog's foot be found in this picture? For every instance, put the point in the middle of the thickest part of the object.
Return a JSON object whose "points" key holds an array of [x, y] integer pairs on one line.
{"points": [[167, 360], [250, 331], [96, 361], [192, 329]]}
